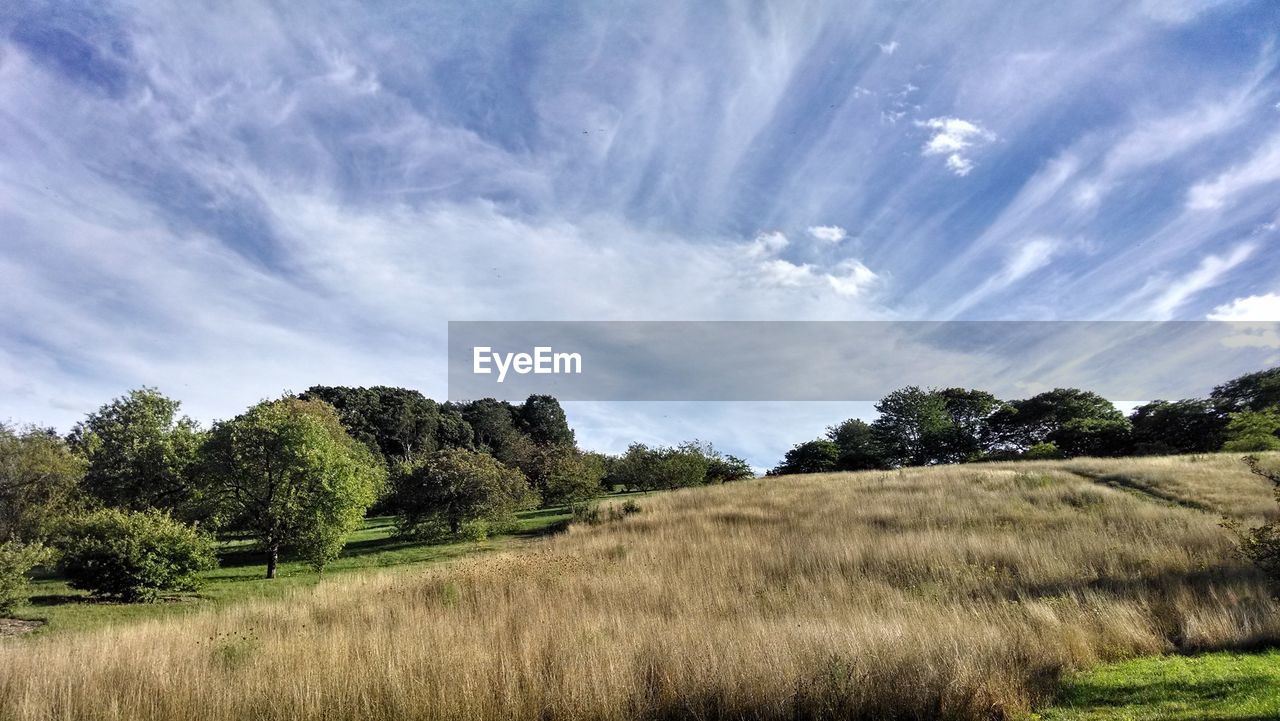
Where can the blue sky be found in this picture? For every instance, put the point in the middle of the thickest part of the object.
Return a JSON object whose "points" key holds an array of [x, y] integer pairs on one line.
{"points": [[228, 200]]}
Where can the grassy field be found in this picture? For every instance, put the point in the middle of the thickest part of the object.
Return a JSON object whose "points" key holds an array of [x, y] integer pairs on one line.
{"points": [[240, 575], [963, 592], [1210, 687]]}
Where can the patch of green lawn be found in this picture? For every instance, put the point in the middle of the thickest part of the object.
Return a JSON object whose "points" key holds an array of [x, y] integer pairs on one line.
{"points": [[241, 574], [1209, 687]]}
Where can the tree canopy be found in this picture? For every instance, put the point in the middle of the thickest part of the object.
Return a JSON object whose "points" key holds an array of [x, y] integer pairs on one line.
{"points": [[287, 472]]}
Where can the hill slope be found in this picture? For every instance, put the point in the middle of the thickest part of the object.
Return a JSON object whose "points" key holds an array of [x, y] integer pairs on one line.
{"points": [[958, 592]]}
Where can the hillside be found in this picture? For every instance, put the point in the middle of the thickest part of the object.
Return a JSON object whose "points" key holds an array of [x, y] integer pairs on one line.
{"points": [[960, 592]]}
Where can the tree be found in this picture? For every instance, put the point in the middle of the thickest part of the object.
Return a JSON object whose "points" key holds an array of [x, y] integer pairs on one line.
{"points": [[970, 413], [140, 454], [39, 482], [913, 428], [493, 425], [1024, 423], [816, 456], [16, 561], [132, 555], [1251, 431], [397, 423], [857, 446], [563, 475], [454, 489], [543, 420], [1098, 437], [1250, 392], [662, 467], [1185, 426], [287, 472]]}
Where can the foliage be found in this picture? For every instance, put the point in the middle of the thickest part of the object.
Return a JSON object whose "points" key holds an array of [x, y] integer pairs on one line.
{"points": [[542, 419], [662, 467], [288, 473], [816, 456], [1252, 431], [563, 475], [1043, 451], [455, 490], [140, 454], [1261, 545], [16, 561], [591, 514], [1250, 392], [1098, 437], [1186, 426], [396, 423], [858, 448], [1021, 424], [913, 428], [132, 555], [39, 481]]}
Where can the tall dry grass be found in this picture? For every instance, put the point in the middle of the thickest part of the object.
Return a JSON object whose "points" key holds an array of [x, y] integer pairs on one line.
{"points": [[955, 593]]}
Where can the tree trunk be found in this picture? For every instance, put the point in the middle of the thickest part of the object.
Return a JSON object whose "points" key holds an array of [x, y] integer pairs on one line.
{"points": [[453, 525], [273, 558]]}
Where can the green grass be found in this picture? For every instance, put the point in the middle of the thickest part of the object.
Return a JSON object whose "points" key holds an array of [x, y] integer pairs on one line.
{"points": [[1209, 687], [241, 574]]}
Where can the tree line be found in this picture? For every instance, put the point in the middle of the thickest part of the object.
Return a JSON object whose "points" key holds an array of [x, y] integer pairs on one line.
{"points": [[920, 427], [128, 504]]}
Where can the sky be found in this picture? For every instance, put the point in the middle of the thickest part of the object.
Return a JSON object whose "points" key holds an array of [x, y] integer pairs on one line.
{"points": [[231, 200]]}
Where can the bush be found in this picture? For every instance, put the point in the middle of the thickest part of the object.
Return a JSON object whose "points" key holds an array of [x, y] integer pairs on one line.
{"points": [[459, 493], [1261, 545], [16, 561], [1041, 451], [132, 555]]}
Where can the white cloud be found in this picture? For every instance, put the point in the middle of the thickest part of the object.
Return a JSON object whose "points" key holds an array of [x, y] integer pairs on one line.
{"points": [[784, 273], [889, 47], [767, 244], [852, 278], [1026, 258], [1207, 274], [829, 233], [1261, 169], [1264, 307], [952, 137]]}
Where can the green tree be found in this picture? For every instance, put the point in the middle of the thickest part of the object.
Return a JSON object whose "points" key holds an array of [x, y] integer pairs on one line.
{"points": [[493, 426], [970, 414], [1021, 424], [563, 475], [543, 420], [1250, 431], [1098, 437], [39, 482], [1250, 392], [141, 454], [16, 561], [288, 473], [1186, 426], [858, 447], [662, 468], [455, 490], [816, 456], [913, 427], [132, 555], [397, 423]]}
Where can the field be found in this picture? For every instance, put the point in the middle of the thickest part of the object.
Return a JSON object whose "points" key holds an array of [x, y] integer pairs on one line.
{"points": [[961, 592]]}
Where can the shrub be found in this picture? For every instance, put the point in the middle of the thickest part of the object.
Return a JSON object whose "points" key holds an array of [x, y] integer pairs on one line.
{"points": [[1261, 545], [132, 555], [1042, 451], [16, 561], [459, 493]]}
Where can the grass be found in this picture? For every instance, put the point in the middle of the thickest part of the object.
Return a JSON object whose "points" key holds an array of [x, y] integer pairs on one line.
{"points": [[241, 571], [1210, 687], [963, 592]]}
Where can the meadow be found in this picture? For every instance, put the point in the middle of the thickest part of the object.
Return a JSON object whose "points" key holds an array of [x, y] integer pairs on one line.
{"points": [[954, 592]]}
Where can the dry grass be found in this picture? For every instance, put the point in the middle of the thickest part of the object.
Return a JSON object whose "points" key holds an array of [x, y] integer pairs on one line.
{"points": [[958, 592]]}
